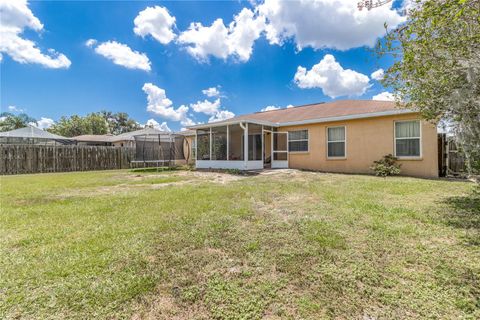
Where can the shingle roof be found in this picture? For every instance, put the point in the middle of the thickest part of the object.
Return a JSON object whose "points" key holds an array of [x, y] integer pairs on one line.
{"points": [[130, 135], [318, 111], [32, 132], [94, 137], [186, 133]]}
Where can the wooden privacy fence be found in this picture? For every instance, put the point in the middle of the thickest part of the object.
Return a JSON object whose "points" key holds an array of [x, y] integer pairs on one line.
{"points": [[24, 158]]}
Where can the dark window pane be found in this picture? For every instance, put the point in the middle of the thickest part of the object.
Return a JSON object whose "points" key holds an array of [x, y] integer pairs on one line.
{"points": [[336, 149], [296, 146], [408, 148]]}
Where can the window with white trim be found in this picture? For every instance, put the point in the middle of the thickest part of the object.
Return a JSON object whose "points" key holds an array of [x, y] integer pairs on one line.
{"points": [[407, 138], [336, 142], [298, 141]]}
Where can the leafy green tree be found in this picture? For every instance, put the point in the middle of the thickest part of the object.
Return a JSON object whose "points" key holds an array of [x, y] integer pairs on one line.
{"points": [[9, 121], [93, 123], [119, 122], [437, 68]]}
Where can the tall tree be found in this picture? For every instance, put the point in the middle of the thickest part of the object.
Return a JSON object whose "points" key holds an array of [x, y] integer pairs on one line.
{"points": [[93, 123], [9, 121], [119, 122], [437, 68]]}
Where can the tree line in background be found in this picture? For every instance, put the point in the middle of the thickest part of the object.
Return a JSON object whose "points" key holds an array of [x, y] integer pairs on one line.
{"points": [[103, 122], [437, 68], [10, 121]]}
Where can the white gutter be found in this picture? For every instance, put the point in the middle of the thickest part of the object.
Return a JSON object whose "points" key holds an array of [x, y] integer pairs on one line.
{"points": [[221, 124]]}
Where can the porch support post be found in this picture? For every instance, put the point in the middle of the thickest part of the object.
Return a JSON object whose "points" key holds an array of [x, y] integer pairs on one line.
{"points": [[228, 143], [263, 146], [245, 145], [210, 144]]}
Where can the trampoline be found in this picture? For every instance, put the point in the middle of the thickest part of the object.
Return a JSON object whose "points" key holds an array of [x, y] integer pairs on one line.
{"points": [[161, 150]]}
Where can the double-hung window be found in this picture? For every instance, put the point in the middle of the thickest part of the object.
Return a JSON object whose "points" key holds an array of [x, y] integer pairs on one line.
{"points": [[336, 142], [407, 139], [298, 141]]}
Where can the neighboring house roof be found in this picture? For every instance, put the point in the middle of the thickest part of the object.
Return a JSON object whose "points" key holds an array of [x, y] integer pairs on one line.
{"points": [[130, 136], [94, 137], [319, 112], [187, 133], [32, 132]]}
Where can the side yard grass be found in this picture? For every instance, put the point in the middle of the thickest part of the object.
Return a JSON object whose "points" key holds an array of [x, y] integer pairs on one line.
{"points": [[281, 245]]}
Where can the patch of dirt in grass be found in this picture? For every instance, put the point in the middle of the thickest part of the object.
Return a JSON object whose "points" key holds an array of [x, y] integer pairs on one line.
{"points": [[137, 182], [216, 177]]}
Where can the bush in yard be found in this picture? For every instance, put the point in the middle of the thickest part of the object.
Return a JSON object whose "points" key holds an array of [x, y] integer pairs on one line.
{"points": [[387, 166]]}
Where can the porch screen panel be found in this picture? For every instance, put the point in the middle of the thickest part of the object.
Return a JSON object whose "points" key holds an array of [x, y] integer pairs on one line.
{"points": [[219, 143], [280, 142], [203, 144], [254, 142], [280, 156], [235, 138]]}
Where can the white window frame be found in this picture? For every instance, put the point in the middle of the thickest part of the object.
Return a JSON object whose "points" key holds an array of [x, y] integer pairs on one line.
{"points": [[420, 156], [344, 143], [308, 141]]}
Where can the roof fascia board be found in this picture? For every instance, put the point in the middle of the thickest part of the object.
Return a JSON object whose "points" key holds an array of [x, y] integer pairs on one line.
{"points": [[221, 124], [307, 121], [342, 118]]}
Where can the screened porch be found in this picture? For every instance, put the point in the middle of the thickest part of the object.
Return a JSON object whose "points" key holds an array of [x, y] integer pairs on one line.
{"points": [[240, 145]]}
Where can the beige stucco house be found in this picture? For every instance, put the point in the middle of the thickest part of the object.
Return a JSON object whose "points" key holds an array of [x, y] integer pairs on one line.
{"points": [[341, 136]]}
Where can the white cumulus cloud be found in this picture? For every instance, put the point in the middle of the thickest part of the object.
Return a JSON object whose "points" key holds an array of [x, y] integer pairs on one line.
{"points": [[320, 24], [15, 18], [90, 42], [152, 123], [159, 104], [121, 54], [14, 109], [157, 22], [221, 41], [332, 78], [378, 75], [270, 108], [384, 96], [207, 107], [221, 115], [211, 92], [45, 123]]}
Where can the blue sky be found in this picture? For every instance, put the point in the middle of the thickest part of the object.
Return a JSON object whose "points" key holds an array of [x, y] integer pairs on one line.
{"points": [[147, 59]]}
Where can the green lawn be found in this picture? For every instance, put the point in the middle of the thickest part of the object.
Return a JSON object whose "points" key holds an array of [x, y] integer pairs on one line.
{"points": [[287, 245]]}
